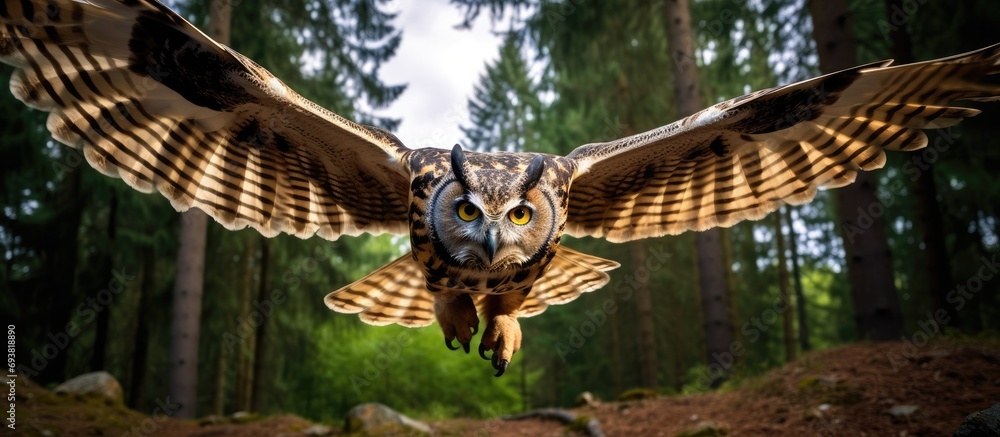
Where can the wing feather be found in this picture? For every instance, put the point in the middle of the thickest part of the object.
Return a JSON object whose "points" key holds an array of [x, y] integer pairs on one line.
{"points": [[743, 158], [152, 100], [395, 293], [569, 274]]}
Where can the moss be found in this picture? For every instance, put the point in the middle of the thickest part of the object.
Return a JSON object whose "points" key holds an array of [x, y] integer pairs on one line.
{"points": [[579, 424], [635, 394]]}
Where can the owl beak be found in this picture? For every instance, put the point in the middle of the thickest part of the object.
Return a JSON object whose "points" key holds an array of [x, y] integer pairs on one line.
{"points": [[491, 244]]}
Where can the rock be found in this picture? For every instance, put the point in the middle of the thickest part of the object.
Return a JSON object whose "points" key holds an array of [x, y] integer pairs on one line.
{"points": [[209, 420], [903, 411], [318, 430], [980, 423], [705, 428], [586, 398], [243, 417], [96, 383], [378, 419]]}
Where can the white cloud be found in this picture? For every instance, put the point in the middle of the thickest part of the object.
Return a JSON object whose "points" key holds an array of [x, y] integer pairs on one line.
{"points": [[441, 64]]}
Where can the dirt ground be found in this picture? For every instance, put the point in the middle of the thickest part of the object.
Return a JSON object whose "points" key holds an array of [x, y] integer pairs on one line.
{"points": [[848, 390]]}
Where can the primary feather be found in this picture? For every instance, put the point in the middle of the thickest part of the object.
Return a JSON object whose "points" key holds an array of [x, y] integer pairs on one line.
{"points": [[743, 158], [152, 100]]}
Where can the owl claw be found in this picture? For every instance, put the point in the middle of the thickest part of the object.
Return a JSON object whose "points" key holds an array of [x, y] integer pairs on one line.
{"points": [[503, 337], [458, 320], [502, 368], [495, 361]]}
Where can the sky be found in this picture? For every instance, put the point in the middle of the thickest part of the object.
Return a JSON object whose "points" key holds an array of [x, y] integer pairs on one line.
{"points": [[441, 64]]}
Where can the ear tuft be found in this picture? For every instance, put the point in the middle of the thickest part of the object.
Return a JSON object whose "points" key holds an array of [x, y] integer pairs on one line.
{"points": [[534, 173], [458, 165]]}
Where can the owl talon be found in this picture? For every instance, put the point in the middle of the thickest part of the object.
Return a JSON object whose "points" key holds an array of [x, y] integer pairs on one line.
{"points": [[457, 316], [503, 337], [502, 368]]}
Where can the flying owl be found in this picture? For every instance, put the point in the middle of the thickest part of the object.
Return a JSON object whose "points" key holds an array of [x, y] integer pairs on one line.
{"points": [[152, 100]]}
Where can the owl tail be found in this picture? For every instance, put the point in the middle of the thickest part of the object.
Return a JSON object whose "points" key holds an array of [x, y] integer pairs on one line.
{"points": [[569, 275], [395, 293]]}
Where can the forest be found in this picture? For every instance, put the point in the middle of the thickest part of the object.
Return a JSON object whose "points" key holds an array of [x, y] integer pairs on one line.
{"points": [[906, 255]]}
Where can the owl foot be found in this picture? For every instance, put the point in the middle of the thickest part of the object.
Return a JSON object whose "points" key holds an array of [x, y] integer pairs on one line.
{"points": [[457, 316], [503, 337]]}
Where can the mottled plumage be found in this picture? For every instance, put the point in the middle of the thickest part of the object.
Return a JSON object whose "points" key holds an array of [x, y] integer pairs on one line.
{"points": [[150, 99]]}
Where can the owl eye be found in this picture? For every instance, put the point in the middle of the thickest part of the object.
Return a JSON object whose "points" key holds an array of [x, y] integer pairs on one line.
{"points": [[520, 215], [467, 211]]}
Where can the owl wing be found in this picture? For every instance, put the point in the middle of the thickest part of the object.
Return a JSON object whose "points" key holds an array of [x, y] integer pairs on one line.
{"points": [[395, 293], [568, 275], [743, 158], [150, 99]]}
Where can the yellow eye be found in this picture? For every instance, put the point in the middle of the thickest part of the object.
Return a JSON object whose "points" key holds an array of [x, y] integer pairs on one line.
{"points": [[520, 215], [467, 211]]}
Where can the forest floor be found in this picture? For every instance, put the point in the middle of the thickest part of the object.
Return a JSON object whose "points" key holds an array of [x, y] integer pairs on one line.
{"points": [[847, 390]]}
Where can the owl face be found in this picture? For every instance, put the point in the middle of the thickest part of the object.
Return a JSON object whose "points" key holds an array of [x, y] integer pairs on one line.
{"points": [[493, 218]]}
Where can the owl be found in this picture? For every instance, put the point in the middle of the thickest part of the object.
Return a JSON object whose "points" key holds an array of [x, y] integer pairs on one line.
{"points": [[151, 100]]}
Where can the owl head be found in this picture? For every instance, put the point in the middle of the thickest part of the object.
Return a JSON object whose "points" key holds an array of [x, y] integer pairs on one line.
{"points": [[495, 214]]}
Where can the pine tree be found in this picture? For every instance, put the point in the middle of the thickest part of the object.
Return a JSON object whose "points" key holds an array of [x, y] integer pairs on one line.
{"points": [[505, 110]]}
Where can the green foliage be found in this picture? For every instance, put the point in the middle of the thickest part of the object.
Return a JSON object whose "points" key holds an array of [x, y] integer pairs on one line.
{"points": [[405, 369], [505, 111]]}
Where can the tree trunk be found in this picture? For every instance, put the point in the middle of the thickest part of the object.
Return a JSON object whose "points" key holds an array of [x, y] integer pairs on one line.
{"points": [[140, 355], [58, 288], [617, 381], [97, 360], [219, 382], [786, 316], [259, 352], [186, 320], [709, 245], [676, 324], [244, 353], [800, 299], [712, 287], [936, 263], [649, 364], [869, 260], [732, 304]]}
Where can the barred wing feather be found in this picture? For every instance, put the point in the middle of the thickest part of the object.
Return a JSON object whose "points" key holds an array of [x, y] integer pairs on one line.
{"points": [[743, 158], [150, 99]]}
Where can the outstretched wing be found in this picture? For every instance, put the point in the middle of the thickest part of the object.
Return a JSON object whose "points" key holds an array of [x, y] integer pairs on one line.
{"points": [[395, 293], [568, 275], [743, 158], [152, 100]]}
